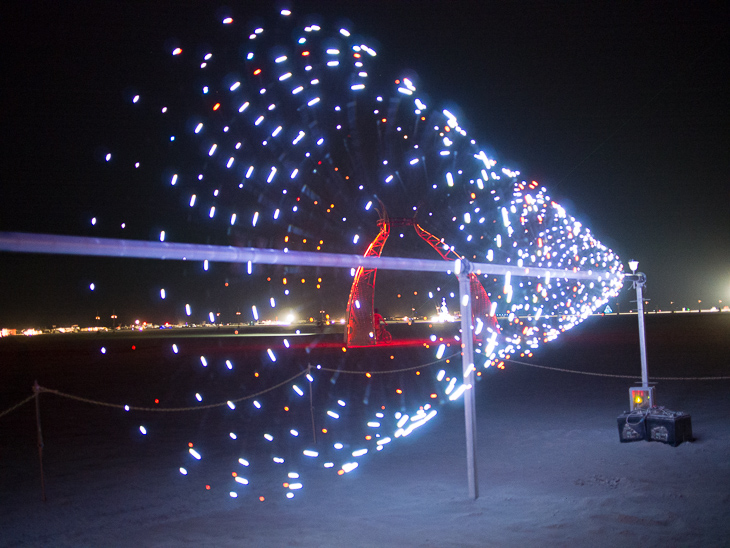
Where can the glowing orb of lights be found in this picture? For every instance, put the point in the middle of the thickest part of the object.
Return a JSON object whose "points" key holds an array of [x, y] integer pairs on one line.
{"points": [[302, 144]]}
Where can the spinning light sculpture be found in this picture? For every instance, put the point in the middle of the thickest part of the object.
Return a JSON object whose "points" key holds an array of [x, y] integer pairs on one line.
{"points": [[290, 138]]}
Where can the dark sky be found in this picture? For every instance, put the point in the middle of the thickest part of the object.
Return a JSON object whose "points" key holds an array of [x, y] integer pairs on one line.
{"points": [[621, 109]]}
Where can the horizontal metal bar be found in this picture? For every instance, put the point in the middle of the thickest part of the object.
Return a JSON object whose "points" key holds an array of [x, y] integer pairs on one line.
{"points": [[23, 242]]}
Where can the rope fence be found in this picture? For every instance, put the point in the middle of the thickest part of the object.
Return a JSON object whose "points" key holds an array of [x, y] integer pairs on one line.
{"points": [[172, 409], [618, 376], [37, 390], [42, 389], [19, 404], [412, 368]]}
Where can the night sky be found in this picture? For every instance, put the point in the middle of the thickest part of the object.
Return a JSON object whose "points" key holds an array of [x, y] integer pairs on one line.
{"points": [[621, 109]]}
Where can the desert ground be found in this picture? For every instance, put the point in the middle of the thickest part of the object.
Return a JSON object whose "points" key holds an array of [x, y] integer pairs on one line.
{"points": [[551, 469]]}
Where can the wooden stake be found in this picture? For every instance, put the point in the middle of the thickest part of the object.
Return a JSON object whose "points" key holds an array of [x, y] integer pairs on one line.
{"points": [[37, 392], [311, 405]]}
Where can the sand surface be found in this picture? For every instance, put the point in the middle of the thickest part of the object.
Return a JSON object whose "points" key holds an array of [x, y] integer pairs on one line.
{"points": [[551, 469]]}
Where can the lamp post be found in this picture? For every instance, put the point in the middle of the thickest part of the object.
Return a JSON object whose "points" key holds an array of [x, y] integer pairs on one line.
{"points": [[648, 421], [639, 281]]}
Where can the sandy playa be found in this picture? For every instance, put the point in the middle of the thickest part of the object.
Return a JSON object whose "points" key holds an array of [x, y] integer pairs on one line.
{"points": [[551, 469]]}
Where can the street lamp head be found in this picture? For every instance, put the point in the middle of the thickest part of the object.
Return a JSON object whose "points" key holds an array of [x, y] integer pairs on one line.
{"points": [[633, 265]]}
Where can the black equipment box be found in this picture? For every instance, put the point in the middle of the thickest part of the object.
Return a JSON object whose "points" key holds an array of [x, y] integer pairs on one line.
{"points": [[671, 428], [655, 424], [632, 426]]}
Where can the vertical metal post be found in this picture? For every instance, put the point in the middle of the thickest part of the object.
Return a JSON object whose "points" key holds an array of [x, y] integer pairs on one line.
{"points": [[37, 391], [639, 285], [467, 365], [311, 405]]}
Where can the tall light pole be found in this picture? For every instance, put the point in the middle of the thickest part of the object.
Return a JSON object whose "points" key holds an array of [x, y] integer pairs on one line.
{"points": [[639, 281], [654, 423]]}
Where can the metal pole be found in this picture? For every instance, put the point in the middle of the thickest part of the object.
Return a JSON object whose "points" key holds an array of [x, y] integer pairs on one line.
{"points": [[467, 366], [639, 285], [20, 242], [37, 391]]}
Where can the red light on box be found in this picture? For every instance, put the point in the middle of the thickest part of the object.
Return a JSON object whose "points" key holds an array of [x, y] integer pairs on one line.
{"points": [[641, 397]]}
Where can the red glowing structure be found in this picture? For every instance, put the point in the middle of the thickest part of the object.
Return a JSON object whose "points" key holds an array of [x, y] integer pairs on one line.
{"points": [[360, 305]]}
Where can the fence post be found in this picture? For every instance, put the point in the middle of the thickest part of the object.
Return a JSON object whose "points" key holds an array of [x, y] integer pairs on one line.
{"points": [[467, 365], [311, 405], [37, 392]]}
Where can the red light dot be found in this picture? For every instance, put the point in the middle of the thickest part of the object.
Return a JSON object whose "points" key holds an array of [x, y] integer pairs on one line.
{"points": [[207, 487], [134, 347], [262, 499], [216, 106], [157, 401]]}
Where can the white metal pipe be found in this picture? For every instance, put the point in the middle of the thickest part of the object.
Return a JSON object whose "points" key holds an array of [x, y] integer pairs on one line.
{"points": [[467, 366], [20, 242], [642, 339]]}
